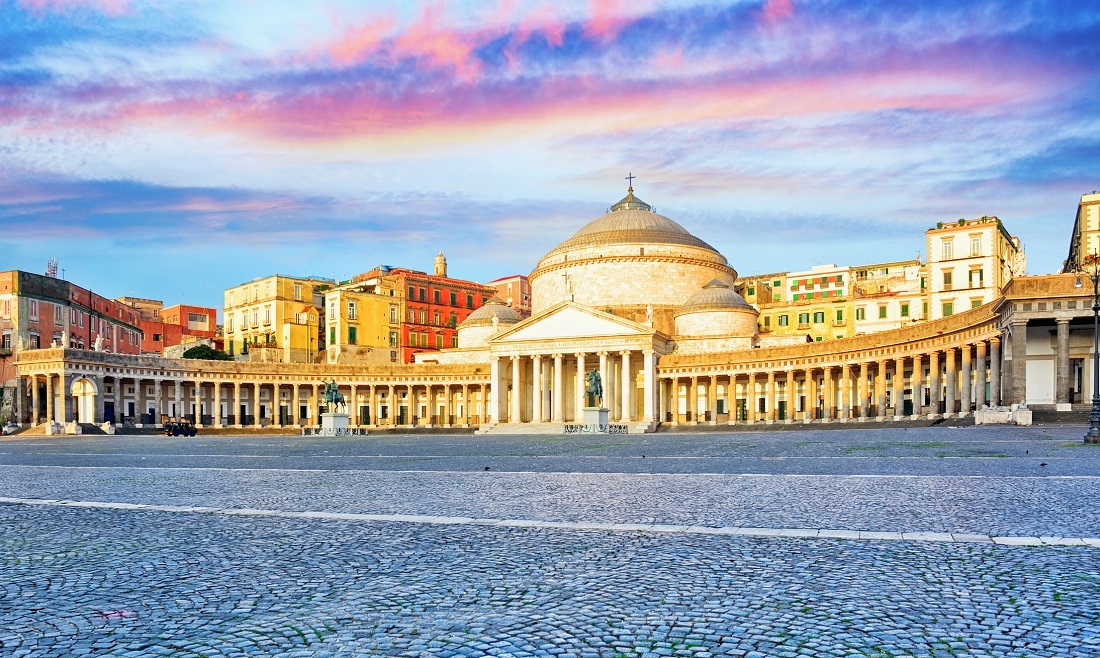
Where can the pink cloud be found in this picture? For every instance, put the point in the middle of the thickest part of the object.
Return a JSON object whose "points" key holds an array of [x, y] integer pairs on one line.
{"points": [[106, 7], [359, 41], [605, 19], [777, 10]]}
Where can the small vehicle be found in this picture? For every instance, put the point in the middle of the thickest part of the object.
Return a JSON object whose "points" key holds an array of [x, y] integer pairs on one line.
{"points": [[180, 428]]}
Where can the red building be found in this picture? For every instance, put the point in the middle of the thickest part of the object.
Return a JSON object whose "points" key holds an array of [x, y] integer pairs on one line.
{"points": [[39, 311], [434, 305], [516, 291], [175, 325]]}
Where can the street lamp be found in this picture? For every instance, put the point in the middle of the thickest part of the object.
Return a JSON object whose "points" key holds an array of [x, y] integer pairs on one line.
{"points": [[1090, 266]]}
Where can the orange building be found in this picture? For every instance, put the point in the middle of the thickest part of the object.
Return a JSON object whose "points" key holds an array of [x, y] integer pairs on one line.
{"points": [[516, 291]]}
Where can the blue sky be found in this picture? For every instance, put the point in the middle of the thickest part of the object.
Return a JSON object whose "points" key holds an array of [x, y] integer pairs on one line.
{"points": [[173, 149]]}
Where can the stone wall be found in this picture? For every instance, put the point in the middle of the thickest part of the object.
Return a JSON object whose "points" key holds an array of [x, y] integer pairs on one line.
{"points": [[717, 323]]}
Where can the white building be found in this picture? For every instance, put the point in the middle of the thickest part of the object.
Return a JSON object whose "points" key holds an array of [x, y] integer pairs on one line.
{"points": [[969, 262]]}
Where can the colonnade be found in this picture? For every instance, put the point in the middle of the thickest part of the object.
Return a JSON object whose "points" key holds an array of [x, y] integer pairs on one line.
{"points": [[947, 382], [550, 388], [238, 403]]}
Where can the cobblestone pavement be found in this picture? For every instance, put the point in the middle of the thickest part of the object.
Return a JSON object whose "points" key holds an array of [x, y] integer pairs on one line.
{"points": [[290, 577]]}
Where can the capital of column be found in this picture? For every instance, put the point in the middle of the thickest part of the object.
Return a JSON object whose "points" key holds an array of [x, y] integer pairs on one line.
{"points": [[996, 340], [649, 352], [556, 356], [601, 353], [1062, 320], [580, 355], [624, 353]]}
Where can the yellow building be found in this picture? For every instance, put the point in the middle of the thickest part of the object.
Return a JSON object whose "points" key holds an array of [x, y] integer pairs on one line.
{"points": [[813, 303], [969, 262], [277, 317], [363, 321], [1086, 231]]}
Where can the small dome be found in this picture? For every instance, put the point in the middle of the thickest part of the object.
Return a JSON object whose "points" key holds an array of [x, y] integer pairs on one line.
{"points": [[494, 308], [715, 296]]}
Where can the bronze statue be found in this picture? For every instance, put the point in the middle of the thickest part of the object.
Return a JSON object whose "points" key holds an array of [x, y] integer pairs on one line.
{"points": [[333, 396], [593, 388]]}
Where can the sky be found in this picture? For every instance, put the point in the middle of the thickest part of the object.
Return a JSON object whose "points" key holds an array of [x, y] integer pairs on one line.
{"points": [[171, 149]]}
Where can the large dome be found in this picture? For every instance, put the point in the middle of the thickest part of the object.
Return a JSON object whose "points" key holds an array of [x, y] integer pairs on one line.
{"points": [[632, 262], [631, 221]]}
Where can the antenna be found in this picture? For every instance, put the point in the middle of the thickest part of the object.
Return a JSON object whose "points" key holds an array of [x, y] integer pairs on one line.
{"points": [[51, 268]]}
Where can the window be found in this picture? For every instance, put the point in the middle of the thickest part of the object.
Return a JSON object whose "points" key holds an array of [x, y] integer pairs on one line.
{"points": [[783, 320], [36, 342], [267, 316], [948, 250], [435, 296], [777, 297], [423, 295], [5, 343], [751, 291], [803, 319], [840, 279], [947, 283], [34, 310], [861, 313], [351, 335], [976, 302], [975, 245], [297, 292], [454, 298], [439, 341], [157, 338], [977, 278], [454, 320], [777, 283], [469, 301], [948, 309], [923, 283], [839, 315], [882, 312], [454, 341], [423, 317], [393, 358], [905, 310], [393, 339], [352, 310], [412, 292], [393, 315], [58, 318], [435, 318], [819, 317], [924, 309], [767, 321], [299, 318]]}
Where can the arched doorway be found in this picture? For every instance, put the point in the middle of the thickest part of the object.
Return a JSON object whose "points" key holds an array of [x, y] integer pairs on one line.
{"points": [[84, 393]]}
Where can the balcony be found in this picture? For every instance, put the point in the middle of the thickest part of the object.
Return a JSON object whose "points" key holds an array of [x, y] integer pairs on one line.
{"points": [[840, 323], [803, 325]]}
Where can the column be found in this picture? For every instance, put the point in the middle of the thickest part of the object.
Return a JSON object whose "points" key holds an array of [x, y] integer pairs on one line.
{"points": [[712, 399], [238, 421], [494, 378], [62, 381], [880, 389], [917, 385], [1061, 366], [649, 376], [845, 391], [353, 406], [578, 417], [118, 401], [624, 416], [372, 405], [830, 393], [995, 371], [34, 400], [792, 395], [392, 404], [556, 413], [810, 413], [693, 401], [967, 387], [536, 388], [295, 405], [980, 377], [750, 399], [769, 398], [256, 413], [197, 393], [516, 414], [952, 382], [1018, 385], [178, 400], [899, 387], [861, 391], [158, 400], [276, 415], [603, 378], [484, 403], [314, 405], [140, 403], [216, 407], [935, 384]]}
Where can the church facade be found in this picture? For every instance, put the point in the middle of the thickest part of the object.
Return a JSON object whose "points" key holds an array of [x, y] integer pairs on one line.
{"points": [[652, 308]]}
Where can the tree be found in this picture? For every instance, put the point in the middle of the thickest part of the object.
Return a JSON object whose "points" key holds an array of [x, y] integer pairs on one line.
{"points": [[206, 353]]}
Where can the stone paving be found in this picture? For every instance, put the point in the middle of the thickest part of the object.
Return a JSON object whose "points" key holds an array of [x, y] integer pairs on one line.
{"points": [[176, 580]]}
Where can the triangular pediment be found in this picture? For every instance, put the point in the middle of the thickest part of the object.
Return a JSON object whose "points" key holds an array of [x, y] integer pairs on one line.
{"points": [[568, 320]]}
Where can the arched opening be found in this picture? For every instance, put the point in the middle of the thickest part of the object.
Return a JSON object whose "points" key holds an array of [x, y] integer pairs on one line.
{"points": [[84, 392]]}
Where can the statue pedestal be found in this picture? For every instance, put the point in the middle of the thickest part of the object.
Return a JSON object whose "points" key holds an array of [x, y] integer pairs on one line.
{"points": [[596, 416], [334, 424]]}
